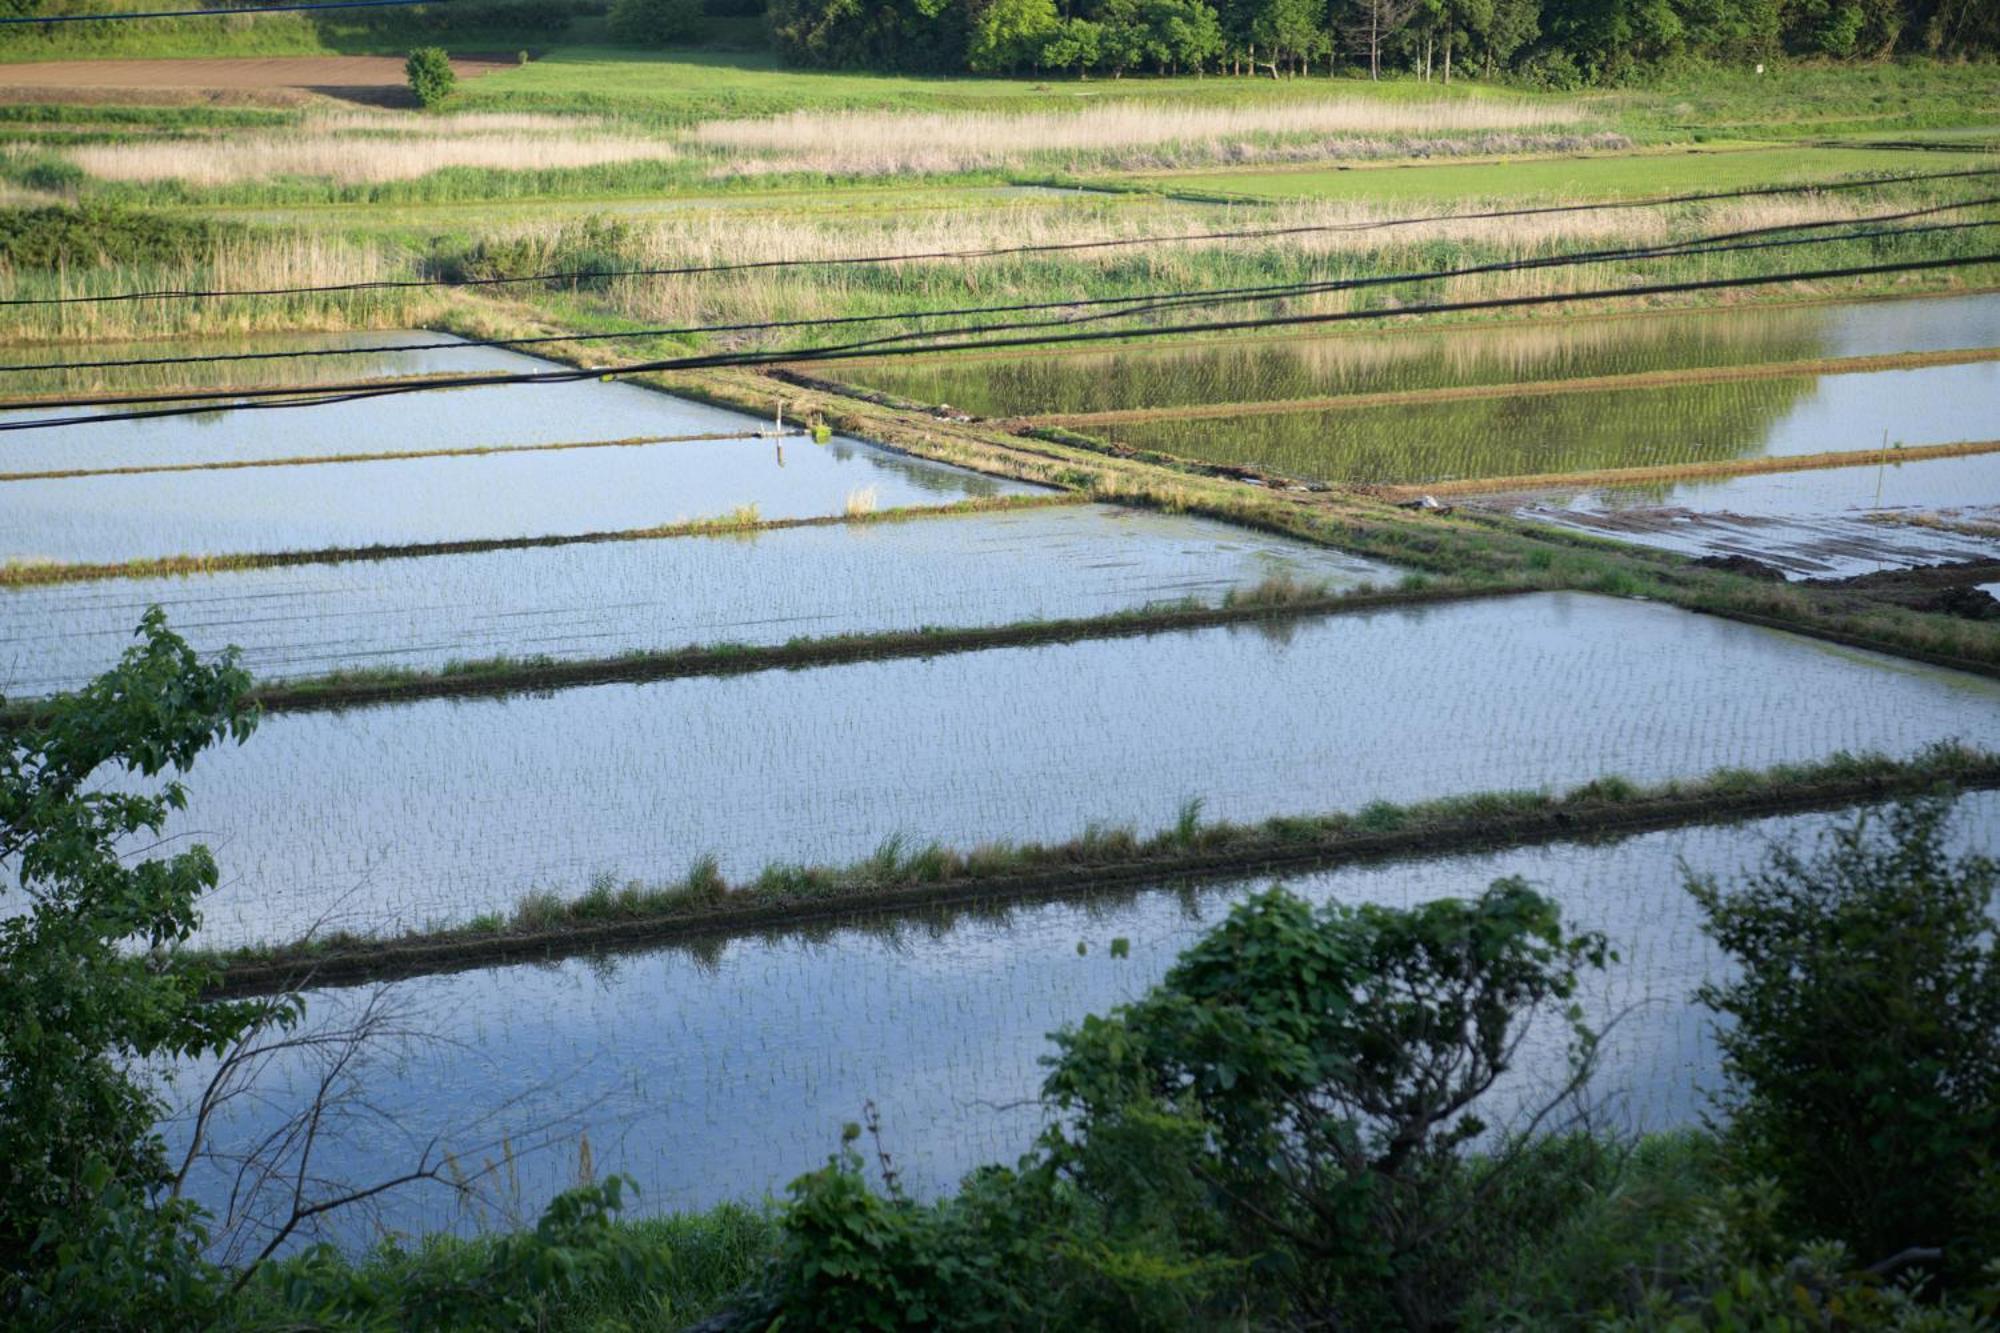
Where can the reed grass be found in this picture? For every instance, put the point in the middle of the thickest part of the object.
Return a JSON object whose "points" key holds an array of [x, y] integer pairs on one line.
{"points": [[1125, 134]]}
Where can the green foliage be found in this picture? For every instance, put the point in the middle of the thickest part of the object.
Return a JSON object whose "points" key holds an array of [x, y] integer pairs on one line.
{"points": [[1863, 1055], [82, 1236], [583, 250], [513, 1281], [430, 75], [1734, 1271], [1011, 35], [654, 22], [99, 235], [1316, 1072]]}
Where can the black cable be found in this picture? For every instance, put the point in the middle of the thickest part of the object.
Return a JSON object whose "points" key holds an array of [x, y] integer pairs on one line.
{"points": [[210, 13], [253, 399], [1140, 303], [1049, 247]]}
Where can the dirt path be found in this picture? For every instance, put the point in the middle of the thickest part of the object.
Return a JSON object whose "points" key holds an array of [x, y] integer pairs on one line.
{"points": [[375, 79]]}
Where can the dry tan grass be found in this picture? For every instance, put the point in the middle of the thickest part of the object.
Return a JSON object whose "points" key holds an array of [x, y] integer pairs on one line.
{"points": [[872, 143], [362, 148]]}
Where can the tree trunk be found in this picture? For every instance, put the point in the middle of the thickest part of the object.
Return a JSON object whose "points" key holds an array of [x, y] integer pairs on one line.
{"points": [[1447, 60]]}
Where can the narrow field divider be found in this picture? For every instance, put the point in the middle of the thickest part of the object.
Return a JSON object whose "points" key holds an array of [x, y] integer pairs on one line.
{"points": [[394, 455], [24, 574], [902, 876]]}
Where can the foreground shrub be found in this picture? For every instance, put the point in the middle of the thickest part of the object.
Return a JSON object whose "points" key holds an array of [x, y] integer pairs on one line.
{"points": [[1863, 1062], [1298, 1090], [96, 235]]}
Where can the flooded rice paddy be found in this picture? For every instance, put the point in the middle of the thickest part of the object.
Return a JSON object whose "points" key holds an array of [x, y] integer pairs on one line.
{"points": [[1403, 360], [1590, 430], [1829, 522], [722, 1070], [450, 499], [758, 588], [110, 518], [401, 816]]}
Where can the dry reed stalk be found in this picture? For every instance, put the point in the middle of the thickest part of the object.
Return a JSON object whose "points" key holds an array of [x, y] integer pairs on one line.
{"points": [[364, 149], [874, 143]]}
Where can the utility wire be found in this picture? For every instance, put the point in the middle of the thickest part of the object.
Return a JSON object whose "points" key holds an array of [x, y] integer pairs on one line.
{"points": [[993, 252], [256, 399], [212, 13], [1139, 303]]}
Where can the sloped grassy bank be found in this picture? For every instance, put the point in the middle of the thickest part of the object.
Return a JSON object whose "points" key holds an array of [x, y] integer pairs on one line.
{"points": [[902, 876]]}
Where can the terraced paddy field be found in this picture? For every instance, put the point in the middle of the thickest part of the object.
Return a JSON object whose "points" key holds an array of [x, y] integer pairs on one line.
{"points": [[392, 818], [741, 588], [721, 1069]]}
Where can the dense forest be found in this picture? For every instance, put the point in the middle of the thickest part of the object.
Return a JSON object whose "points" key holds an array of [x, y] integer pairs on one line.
{"points": [[1554, 43]]}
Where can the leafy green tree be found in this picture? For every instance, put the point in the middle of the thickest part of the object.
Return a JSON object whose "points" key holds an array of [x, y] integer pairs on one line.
{"points": [[1863, 1052], [1010, 35], [654, 22], [1314, 1075], [1075, 44], [430, 75], [1291, 31], [851, 34], [87, 1235]]}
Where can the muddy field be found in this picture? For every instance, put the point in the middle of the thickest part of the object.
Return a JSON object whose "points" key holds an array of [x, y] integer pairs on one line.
{"points": [[378, 80]]}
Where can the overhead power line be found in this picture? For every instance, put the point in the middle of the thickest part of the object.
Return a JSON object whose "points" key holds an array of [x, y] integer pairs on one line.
{"points": [[995, 252], [1111, 307], [255, 399], [115, 17]]}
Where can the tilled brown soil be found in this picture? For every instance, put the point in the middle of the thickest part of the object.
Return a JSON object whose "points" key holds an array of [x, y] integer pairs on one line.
{"points": [[378, 80]]}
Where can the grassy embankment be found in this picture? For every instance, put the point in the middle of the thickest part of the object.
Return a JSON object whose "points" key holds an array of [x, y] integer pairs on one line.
{"points": [[903, 876]]}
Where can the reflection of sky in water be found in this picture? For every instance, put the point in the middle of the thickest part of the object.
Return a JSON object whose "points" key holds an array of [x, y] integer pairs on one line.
{"points": [[395, 816], [438, 499], [724, 1070], [1936, 483], [763, 588], [449, 499]]}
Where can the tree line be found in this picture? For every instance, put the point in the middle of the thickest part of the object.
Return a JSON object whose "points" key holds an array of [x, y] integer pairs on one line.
{"points": [[1561, 43]]}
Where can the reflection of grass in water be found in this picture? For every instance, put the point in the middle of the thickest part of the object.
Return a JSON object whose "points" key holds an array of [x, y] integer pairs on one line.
{"points": [[1490, 437], [1172, 376]]}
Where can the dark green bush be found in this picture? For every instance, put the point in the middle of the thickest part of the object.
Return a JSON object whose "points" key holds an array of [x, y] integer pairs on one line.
{"points": [[654, 22], [1863, 1056], [98, 234], [430, 74]]}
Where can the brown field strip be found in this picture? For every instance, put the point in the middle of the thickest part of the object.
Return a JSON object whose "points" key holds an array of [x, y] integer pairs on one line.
{"points": [[1642, 379]]}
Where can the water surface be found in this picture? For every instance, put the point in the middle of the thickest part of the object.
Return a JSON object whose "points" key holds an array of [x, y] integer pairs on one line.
{"points": [[1406, 358], [602, 599], [1828, 522], [397, 816], [723, 1069]]}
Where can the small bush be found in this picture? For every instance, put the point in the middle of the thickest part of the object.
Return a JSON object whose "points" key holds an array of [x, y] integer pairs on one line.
{"points": [[429, 72], [654, 22]]}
